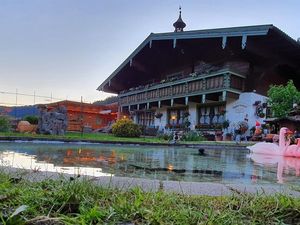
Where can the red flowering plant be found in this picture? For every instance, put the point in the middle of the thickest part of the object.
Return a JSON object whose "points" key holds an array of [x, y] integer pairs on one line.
{"points": [[241, 127]]}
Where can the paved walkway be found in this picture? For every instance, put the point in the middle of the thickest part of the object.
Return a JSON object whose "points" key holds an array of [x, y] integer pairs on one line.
{"points": [[189, 188]]}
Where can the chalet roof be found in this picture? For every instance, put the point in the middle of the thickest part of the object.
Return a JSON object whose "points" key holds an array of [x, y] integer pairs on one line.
{"points": [[276, 39]]}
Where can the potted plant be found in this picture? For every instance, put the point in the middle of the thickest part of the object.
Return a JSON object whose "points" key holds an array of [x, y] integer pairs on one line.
{"points": [[218, 135], [228, 137]]}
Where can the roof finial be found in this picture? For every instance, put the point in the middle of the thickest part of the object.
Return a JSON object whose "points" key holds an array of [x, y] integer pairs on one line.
{"points": [[179, 24]]}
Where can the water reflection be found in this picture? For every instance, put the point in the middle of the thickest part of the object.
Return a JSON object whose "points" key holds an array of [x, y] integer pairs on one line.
{"points": [[166, 163], [25, 161], [285, 165]]}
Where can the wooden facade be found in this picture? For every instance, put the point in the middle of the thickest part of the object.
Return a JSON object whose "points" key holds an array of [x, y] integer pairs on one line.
{"points": [[194, 84], [82, 115]]}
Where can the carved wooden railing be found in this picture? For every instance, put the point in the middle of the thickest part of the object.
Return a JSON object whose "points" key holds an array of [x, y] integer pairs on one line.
{"points": [[185, 87]]}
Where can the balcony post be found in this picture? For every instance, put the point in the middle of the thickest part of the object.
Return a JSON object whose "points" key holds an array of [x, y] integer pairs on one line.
{"points": [[186, 100], [203, 98], [227, 80], [224, 95]]}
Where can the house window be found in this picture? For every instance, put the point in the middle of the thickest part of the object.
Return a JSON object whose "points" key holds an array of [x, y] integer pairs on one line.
{"points": [[145, 118], [176, 116], [211, 115]]}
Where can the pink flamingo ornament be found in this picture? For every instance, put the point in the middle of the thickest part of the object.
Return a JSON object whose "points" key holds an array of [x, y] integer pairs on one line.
{"points": [[271, 148]]}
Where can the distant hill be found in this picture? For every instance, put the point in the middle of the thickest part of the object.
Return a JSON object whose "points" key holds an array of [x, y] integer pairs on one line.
{"points": [[19, 112], [107, 101]]}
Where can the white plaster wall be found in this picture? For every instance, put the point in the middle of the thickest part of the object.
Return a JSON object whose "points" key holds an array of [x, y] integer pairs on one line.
{"points": [[162, 122], [236, 110], [193, 115]]}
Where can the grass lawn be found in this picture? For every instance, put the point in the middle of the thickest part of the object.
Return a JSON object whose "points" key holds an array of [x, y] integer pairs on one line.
{"points": [[86, 136], [82, 202], [111, 138]]}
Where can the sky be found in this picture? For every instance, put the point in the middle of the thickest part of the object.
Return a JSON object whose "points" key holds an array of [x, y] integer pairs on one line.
{"points": [[67, 48]]}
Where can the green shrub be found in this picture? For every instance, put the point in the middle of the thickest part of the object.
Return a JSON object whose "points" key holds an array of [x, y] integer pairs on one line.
{"points": [[126, 128], [31, 119], [193, 136], [4, 124], [165, 136]]}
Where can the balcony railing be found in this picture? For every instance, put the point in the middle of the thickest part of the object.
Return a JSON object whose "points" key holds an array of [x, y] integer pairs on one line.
{"points": [[188, 86]]}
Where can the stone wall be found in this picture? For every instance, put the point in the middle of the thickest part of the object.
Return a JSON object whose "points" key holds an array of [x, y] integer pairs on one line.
{"points": [[52, 122]]}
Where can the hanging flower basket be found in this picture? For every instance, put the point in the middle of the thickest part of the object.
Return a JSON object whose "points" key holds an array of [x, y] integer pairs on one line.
{"points": [[223, 112], [186, 114], [256, 103], [158, 115], [261, 115]]}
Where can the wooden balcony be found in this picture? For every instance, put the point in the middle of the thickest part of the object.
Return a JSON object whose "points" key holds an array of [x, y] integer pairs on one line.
{"points": [[195, 84]]}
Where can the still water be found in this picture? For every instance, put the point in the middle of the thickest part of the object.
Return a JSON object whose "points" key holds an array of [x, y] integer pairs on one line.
{"points": [[166, 163]]}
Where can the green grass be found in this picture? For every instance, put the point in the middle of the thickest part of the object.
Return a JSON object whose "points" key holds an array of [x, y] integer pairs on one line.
{"points": [[111, 138], [81, 202], [86, 136]]}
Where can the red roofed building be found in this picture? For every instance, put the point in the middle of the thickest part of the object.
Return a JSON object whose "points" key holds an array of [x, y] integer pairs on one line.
{"points": [[82, 115]]}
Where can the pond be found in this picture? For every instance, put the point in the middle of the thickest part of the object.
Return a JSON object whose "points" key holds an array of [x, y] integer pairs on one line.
{"points": [[165, 163]]}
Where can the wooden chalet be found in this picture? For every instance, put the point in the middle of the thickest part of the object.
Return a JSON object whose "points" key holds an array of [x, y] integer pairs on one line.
{"points": [[205, 73]]}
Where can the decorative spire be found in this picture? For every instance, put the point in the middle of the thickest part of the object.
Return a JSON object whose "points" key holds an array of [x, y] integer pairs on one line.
{"points": [[179, 24]]}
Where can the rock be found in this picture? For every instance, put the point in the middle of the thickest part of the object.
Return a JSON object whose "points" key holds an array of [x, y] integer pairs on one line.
{"points": [[26, 127], [54, 122]]}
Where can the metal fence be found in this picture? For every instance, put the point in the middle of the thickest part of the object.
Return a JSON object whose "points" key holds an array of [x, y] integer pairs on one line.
{"points": [[18, 104]]}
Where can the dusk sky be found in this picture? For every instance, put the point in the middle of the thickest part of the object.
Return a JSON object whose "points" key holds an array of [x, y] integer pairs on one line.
{"points": [[68, 47]]}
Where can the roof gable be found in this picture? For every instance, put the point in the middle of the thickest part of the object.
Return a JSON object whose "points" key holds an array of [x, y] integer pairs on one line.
{"points": [[222, 33]]}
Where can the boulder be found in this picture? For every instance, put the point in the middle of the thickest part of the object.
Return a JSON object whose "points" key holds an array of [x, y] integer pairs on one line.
{"points": [[26, 127]]}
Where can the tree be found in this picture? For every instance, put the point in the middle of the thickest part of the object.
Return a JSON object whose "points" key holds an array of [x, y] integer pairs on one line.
{"points": [[108, 100], [31, 119], [4, 124], [282, 98]]}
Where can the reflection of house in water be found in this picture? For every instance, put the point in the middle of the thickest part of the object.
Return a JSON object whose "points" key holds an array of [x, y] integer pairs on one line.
{"points": [[30, 162], [88, 157], [184, 164]]}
